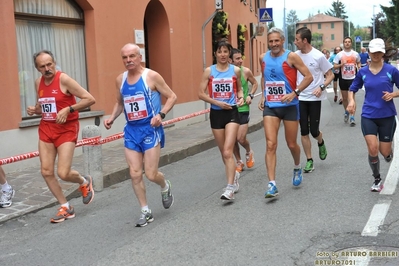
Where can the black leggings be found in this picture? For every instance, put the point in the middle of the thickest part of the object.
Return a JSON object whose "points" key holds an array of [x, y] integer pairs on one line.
{"points": [[309, 117]]}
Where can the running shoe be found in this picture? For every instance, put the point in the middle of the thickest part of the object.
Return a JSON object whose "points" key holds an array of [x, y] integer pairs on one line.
{"points": [[87, 190], [297, 178], [240, 166], [250, 159], [388, 159], [145, 218], [236, 185], [6, 198], [167, 197], [352, 121], [335, 98], [377, 185], [340, 101], [228, 194], [63, 214], [309, 167], [346, 117], [322, 152], [271, 191]]}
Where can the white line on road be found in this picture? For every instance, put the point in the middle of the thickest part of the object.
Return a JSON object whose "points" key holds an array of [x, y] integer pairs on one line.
{"points": [[391, 180], [376, 218]]}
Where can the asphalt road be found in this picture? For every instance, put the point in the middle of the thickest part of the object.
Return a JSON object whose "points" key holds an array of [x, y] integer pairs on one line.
{"points": [[321, 221]]}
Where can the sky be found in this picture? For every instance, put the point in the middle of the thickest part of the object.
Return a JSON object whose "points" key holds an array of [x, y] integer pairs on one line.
{"points": [[359, 14]]}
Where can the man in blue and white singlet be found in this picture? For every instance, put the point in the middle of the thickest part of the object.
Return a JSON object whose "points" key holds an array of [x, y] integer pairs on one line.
{"points": [[139, 93], [279, 102]]}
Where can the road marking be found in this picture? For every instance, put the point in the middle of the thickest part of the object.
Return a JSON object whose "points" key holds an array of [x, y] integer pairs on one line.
{"points": [[376, 218], [391, 180]]}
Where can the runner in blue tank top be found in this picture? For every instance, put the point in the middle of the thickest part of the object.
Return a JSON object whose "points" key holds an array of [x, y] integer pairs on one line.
{"points": [[378, 111], [139, 97], [280, 102], [221, 87]]}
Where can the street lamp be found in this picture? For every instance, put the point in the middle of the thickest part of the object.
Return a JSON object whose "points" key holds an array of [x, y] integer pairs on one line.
{"points": [[374, 22]]}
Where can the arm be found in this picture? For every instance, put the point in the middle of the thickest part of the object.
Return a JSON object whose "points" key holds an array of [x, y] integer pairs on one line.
{"points": [[297, 62], [329, 77], [156, 82], [118, 107], [37, 109], [254, 83], [203, 91], [261, 104], [240, 93]]}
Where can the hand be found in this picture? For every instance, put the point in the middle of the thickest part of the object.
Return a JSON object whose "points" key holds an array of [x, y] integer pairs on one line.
{"points": [[224, 105], [288, 98], [317, 92], [156, 121], [108, 123], [31, 110], [351, 108], [388, 96], [240, 101], [261, 104], [62, 116], [248, 100]]}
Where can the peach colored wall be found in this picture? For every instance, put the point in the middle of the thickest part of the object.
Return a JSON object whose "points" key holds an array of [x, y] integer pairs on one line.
{"points": [[10, 114], [326, 30]]}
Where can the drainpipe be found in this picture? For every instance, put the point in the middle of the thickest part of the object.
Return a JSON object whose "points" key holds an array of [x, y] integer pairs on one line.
{"points": [[203, 48]]}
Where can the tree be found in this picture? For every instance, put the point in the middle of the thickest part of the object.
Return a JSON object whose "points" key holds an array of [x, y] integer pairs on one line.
{"points": [[380, 24], [292, 20], [390, 27], [317, 40], [338, 11], [270, 25]]}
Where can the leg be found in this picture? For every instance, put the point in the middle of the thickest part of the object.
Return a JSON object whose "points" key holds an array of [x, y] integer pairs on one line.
{"points": [[134, 160], [271, 125], [291, 134], [47, 154], [242, 137], [151, 158], [65, 156], [2, 176]]}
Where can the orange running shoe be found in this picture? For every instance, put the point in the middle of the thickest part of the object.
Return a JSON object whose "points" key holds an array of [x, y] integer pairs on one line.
{"points": [[250, 159], [87, 190], [240, 166], [63, 214]]}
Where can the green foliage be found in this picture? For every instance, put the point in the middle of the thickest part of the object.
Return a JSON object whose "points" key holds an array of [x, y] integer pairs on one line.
{"points": [[390, 27], [292, 19], [219, 29], [241, 29], [317, 40], [337, 10]]}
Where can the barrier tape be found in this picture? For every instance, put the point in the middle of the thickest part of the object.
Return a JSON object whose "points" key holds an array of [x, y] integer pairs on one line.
{"points": [[98, 140]]}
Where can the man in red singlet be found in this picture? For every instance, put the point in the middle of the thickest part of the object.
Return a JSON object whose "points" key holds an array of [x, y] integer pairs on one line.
{"points": [[58, 130]]}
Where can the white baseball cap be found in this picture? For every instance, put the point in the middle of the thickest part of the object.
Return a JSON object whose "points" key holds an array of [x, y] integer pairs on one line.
{"points": [[377, 45]]}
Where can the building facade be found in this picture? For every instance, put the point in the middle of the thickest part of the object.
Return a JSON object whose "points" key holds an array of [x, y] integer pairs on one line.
{"points": [[86, 37], [330, 30]]}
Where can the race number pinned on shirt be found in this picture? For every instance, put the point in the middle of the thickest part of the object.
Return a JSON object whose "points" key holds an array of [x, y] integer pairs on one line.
{"points": [[222, 88], [135, 107], [49, 108], [274, 91], [348, 71]]}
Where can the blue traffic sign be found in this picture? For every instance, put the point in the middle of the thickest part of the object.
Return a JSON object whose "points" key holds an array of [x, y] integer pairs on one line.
{"points": [[358, 39], [265, 14]]}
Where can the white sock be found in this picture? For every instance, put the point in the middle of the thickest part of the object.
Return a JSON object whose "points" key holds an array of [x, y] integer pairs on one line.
{"points": [[6, 187], [145, 208], [65, 205], [85, 182], [166, 188], [297, 166], [273, 182]]}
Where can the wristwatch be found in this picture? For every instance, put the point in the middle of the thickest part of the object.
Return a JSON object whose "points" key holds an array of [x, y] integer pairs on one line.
{"points": [[251, 95], [162, 115], [71, 110], [297, 92], [322, 87]]}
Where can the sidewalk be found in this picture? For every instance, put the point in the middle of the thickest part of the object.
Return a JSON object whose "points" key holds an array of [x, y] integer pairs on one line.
{"points": [[32, 193]]}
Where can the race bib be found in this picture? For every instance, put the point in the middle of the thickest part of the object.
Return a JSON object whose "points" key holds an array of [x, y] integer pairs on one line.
{"points": [[135, 107], [49, 108], [348, 71], [274, 91], [222, 88]]}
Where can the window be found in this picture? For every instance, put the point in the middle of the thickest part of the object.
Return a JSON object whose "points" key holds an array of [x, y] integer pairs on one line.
{"points": [[55, 25], [319, 26], [332, 25], [332, 37]]}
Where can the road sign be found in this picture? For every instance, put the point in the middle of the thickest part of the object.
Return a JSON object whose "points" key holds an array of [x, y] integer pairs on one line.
{"points": [[218, 4], [358, 39], [265, 14]]}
